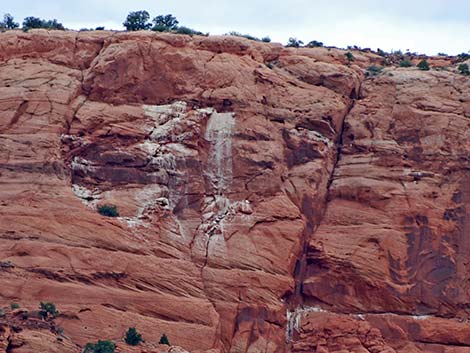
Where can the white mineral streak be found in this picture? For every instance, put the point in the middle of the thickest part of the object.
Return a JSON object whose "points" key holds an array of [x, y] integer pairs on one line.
{"points": [[168, 127], [294, 318], [88, 197], [219, 134], [219, 175]]}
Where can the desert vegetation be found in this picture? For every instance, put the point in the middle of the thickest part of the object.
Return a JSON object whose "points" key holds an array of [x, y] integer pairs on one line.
{"points": [[164, 340], [249, 36], [423, 65], [140, 21], [133, 338], [100, 347], [30, 22], [349, 57], [36, 22], [8, 22], [48, 310], [406, 63], [373, 70], [294, 43], [108, 210]]}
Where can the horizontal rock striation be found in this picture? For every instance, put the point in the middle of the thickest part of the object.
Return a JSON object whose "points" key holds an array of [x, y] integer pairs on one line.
{"points": [[270, 199]]}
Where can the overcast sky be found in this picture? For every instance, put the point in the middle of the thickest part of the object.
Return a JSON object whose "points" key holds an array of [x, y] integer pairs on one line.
{"points": [[424, 26]]}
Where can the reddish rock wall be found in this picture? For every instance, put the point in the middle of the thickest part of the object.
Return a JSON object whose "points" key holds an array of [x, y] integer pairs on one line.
{"points": [[241, 228]]}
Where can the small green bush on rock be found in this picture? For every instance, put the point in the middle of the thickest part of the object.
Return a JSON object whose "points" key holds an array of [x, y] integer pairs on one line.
{"points": [[423, 65], [314, 44], [463, 56], [100, 347], [48, 310], [133, 338], [405, 63], [108, 210], [247, 36], [373, 70], [464, 69], [294, 43], [349, 57], [164, 340], [188, 31]]}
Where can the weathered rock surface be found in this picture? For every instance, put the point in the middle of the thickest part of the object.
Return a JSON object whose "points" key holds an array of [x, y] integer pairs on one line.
{"points": [[393, 240], [258, 212]]}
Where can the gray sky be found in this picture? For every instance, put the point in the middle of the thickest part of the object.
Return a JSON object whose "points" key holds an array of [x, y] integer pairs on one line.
{"points": [[425, 26]]}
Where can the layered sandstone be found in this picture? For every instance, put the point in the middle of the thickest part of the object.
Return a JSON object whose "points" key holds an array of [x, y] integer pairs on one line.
{"points": [[270, 199], [392, 248]]}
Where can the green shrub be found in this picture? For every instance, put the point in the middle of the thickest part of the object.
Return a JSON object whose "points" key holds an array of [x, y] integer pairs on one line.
{"points": [[314, 44], [405, 63], [247, 36], [464, 69], [133, 338], [137, 20], [48, 310], [373, 70], [32, 22], [349, 57], [108, 210], [2, 313], [35, 22], [53, 24], [164, 23], [14, 306], [8, 22], [188, 31], [294, 43], [381, 52], [160, 29], [423, 65], [355, 47], [164, 340], [100, 347], [463, 56], [99, 28]]}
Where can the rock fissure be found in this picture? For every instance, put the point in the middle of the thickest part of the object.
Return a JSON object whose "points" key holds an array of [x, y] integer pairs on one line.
{"points": [[312, 223]]}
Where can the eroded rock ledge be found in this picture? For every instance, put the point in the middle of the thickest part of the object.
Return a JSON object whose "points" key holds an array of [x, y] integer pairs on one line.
{"points": [[270, 199]]}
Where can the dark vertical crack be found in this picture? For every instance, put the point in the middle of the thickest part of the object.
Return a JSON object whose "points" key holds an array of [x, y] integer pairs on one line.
{"points": [[19, 112], [9, 348], [313, 214]]}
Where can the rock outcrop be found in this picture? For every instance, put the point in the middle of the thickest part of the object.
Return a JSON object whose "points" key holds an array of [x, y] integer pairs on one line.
{"points": [[270, 199]]}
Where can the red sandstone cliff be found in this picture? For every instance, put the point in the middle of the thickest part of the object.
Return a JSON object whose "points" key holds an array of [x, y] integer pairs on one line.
{"points": [[270, 199]]}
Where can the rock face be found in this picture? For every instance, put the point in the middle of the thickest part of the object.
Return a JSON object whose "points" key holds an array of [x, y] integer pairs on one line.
{"points": [[391, 250], [269, 199]]}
